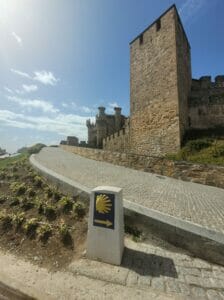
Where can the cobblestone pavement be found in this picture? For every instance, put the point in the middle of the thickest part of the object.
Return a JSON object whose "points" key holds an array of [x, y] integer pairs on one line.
{"points": [[41, 284], [200, 204], [155, 268]]}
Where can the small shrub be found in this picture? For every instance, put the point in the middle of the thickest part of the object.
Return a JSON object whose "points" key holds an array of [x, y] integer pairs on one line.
{"points": [[30, 227], [50, 212], [56, 195], [14, 201], [16, 176], [49, 192], [26, 204], [18, 188], [79, 210], [38, 182], [65, 234], [3, 199], [66, 204], [18, 219], [44, 231], [6, 220], [2, 175], [31, 192], [199, 144], [218, 151], [132, 230], [14, 169], [9, 176], [40, 208]]}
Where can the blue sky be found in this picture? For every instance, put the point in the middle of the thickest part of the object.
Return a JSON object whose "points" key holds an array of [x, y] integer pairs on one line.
{"points": [[60, 60]]}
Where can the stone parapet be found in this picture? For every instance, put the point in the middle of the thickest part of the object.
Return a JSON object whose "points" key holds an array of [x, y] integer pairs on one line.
{"points": [[198, 173]]}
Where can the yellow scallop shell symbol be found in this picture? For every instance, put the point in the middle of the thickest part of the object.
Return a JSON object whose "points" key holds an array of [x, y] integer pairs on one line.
{"points": [[103, 204]]}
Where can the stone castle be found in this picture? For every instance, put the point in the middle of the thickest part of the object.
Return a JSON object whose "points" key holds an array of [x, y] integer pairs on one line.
{"points": [[166, 104]]}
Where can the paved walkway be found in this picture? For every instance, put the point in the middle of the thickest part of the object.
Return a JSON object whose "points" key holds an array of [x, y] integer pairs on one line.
{"points": [[199, 204], [149, 270]]}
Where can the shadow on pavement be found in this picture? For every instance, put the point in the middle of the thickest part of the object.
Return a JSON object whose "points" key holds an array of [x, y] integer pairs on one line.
{"points": [[8, 293], [148, 264]]}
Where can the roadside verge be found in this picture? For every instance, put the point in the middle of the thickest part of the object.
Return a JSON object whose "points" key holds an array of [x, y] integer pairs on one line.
{"points": [[200, 241]]}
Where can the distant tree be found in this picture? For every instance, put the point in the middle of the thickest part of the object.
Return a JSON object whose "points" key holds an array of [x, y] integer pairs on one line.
{"points": [[23, 150], [32, 150], [2, 151]]}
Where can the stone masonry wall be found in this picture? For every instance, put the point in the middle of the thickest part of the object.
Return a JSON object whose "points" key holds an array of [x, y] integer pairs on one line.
{"points": [[204, 174], [119, 141], [184, 75], [207, 104], [154, 120]]}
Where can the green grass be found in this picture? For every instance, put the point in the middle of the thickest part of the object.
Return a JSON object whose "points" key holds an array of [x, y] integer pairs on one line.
{"points": [[9, 161], [204, 151]]}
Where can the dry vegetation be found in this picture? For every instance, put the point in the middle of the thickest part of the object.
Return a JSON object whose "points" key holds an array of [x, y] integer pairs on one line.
{"points": [[37, 221]]}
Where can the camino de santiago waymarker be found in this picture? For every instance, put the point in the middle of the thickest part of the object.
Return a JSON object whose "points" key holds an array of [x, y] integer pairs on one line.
{"points": [[104, 210], [105, 238]]}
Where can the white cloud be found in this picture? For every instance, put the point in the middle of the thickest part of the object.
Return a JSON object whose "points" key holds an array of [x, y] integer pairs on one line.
{"points": [[17, 38], [34, 103], [63, 124], [30, 88], [113, 104], [8, 90], [110, 107], [190, 8], [64, 104], [86, 109], [23, 74], [45, 77]]}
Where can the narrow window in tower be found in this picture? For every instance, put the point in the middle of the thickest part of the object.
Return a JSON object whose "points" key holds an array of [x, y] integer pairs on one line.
{"points": [[158, 25], [141, 39]]}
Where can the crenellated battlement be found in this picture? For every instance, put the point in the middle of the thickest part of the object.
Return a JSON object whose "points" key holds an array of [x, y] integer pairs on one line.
{"points": [[205, 82]]}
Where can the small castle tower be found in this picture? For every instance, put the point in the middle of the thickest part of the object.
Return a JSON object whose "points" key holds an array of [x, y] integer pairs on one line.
{"points": [[101, 127], [91, 133]]}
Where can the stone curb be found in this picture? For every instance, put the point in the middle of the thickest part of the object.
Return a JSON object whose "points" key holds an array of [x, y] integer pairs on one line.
{"points": [[14, 289], [200, 241]]}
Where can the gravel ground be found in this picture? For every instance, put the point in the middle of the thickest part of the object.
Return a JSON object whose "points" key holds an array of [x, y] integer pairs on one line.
{"points": [[200, 204]]}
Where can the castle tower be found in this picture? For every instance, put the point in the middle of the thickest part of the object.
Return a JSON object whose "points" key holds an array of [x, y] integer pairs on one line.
{"points": [[101, 127], [160, 82], [91, 134], [117, 111]]}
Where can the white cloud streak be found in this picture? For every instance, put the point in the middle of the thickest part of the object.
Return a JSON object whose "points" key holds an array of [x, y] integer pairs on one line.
{"points": [[8, 90], [190, 8], [23, 74], [34, 104], [63, 124], [45, 77], [30, 88], [17, 38]]}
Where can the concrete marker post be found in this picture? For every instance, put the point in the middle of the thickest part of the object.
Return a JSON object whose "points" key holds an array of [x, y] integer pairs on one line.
{"points": [[105, 238]]}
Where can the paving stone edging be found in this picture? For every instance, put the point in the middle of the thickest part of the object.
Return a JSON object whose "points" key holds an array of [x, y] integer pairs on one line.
{"points": [[200, 241]]}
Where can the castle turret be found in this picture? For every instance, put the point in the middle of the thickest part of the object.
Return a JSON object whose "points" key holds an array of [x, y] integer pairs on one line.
{"points": [[91, 133], [101, 111], [117, 118]]}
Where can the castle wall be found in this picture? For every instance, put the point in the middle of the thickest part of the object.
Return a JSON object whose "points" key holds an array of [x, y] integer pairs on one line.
{"points": [[154, 120], [183, 75], [119, 141], [206, 104]]}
